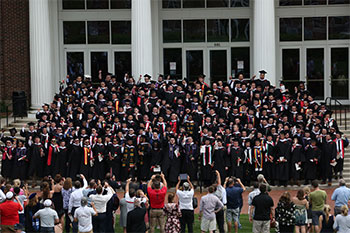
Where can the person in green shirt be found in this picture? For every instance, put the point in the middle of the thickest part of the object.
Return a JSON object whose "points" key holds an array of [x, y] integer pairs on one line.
{"points": [[318, 199]]}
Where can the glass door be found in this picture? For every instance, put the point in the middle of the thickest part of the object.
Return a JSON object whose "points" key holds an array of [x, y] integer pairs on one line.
{"points": [[218, 65], [98, 62], [315, 72], [122, 64], [194, 64], [340, 73], [74, 64], [291, 68]]}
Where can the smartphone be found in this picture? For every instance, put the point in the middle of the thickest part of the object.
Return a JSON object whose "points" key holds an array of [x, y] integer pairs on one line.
{"points": [[157, 170], [183, 176]]}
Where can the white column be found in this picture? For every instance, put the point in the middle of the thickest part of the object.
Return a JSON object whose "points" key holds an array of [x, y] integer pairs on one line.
{"points": [[264, 50], [141, 34], [40, 52]]}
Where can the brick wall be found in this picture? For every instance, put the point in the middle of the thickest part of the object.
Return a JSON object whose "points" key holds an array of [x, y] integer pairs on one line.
{"points": [[14, 48]]}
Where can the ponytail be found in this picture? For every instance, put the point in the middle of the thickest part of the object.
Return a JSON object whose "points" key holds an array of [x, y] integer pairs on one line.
{"points": [[326, 210], [344, 210]]}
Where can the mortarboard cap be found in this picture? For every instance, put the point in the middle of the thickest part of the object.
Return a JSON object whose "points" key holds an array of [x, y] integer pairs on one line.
{"points": [[262, 72]]}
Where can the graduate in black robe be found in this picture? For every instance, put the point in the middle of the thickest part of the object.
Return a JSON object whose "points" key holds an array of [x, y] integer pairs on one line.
{"points": [[236, 159], [221, 159], [283, 159], [144, 159], [270, 160], [86, 159], [171, 163], [329, 154], [115, 158], [297, 158], [312, 156], [157, 153], [36, 159], [99, 153], [206, 152], [129, 160], [61, 160], [248, 163], [189, 163], [258, 158], [52, 151], [20, 168], [8, 158], [341, 144], [75, 159]]}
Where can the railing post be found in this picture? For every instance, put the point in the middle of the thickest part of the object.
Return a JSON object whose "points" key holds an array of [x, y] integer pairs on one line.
{"points": [[7, 115]]}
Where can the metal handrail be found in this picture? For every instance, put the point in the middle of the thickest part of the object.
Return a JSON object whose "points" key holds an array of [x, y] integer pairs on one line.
{"points": [[338, 106]]}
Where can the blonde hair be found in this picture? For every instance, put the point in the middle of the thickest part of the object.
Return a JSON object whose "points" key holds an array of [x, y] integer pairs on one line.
{"points": [[306, 190], [16, 183], [327, 210], [344, 210]]}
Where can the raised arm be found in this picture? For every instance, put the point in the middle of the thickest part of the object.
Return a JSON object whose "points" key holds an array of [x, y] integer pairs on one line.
{"points": [[163, 180], [218, 177], [178, 184], [127, 185], [189, 181]]}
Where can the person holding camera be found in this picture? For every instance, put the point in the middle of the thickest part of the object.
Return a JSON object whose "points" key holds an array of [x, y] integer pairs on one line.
{"points": [[233, 194], [185, 197]]}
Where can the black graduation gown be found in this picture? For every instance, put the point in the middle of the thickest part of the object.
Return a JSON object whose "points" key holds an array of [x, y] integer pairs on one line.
{"points": [[98, 169], [129, 160], [36, 160], [329, 153], [236, 160], [20, 166], [340, 145], [61, 162], [144, 161], [297, 155], [188, 165], [221, 160], [74, 161], [85, 161], [283, 151], [248, 170], [50, 162], [206, 164], [8, 158], [157, 154], [115, 162], [270, 162], [171, 164], [310, 168]]}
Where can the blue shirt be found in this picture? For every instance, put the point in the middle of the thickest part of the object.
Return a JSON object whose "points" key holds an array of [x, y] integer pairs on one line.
{"points": [[233, 195], [341, 196]]}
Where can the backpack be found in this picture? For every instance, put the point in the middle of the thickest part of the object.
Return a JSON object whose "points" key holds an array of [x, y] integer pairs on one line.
{"points": [[194, 202]]}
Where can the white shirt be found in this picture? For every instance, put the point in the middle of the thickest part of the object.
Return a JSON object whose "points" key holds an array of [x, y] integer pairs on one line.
{"points": [[100, 200], [76, 196], [84, 214], [185, 199], [47, 217], [2, 196], [129, 202]]}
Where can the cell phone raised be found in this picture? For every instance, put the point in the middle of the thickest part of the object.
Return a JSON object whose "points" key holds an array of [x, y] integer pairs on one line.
{"points": [[157, 170], [183, 176]]}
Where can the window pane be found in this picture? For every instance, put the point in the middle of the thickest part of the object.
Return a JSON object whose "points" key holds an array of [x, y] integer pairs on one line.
{"points": [[315, 2], [290, 68], [75, 64], [290, 29], [240, 30], [193, 3], [290, 2], [194, 30], [218, 66], [121, 4], [73, 4], [97, 4], [315, 28], [121, 32], [240, 58], [99, 61], [74, 32], [339, 27], [173, 57], [217, 3], [340, 72], [239, 3], [171, 3], [194, 64], [122, 64], [171, 31], [315, 72], [338, 1], [98, 32], [218, 30]]}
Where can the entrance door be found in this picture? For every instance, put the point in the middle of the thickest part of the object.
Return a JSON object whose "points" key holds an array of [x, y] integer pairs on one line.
{"points": [[340, 73], [218, 65], [99, 61], [122, 64], [75, 64], [194, 64], [315, 74]]}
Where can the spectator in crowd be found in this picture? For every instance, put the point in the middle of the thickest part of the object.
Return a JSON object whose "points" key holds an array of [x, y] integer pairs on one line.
{"points": [[340, 196], [220, 192], [284, 213], [9, 212], [326, 220], [136, 217], [342, 221], [341, 142], [252, 194], [185, 197], [83, 215], [21, 198], [129, 196], [100, 201], [262, 207], [32, 224], [317, 201], [300, 213], [67, 190], [233, 194], [173, 213], [209, 205], [156, 191], [48, 217], [19, 228], [123, 214]]}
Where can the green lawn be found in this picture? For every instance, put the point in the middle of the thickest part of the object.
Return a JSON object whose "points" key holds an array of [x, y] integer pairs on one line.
{"points": [[246, 225]]}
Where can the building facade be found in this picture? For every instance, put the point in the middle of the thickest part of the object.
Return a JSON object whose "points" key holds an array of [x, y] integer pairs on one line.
{"points": [[293, 40]]}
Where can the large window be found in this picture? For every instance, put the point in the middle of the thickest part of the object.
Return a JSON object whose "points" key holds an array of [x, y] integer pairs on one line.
{"points": [[74, 32], [171, 3], [99, 62], [75, 64], [218, 30], [291, 68], [239, 30], [98, 32], [291, 2], [315, 71], [194, 64], [340, 72], [122, 64], [240, 61], [218, 65], [121, 32], [315, 28], [194, 30], [290, 29], [217, 3], [121, 4], [97, 4], [73, 5], [171, 31], [339, 27], [193, 3], [315, 2], [173, 62]]}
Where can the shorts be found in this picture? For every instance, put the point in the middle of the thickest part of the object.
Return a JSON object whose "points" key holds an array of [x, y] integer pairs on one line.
{"points": [[232, 214], [208, 225], [315, 217]]}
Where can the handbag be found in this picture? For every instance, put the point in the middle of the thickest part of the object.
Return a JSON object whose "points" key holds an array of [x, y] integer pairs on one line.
{"points": [[194, 202]]}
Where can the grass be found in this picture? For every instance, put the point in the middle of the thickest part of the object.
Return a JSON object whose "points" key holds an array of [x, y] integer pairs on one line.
{"points": [[244, 219]]}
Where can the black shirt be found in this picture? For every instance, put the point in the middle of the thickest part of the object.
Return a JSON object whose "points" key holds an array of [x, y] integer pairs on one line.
{"points": [[262, 203]]}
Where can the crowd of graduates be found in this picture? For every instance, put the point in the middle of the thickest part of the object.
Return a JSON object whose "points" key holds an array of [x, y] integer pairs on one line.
{"points": [[133, 128]]}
